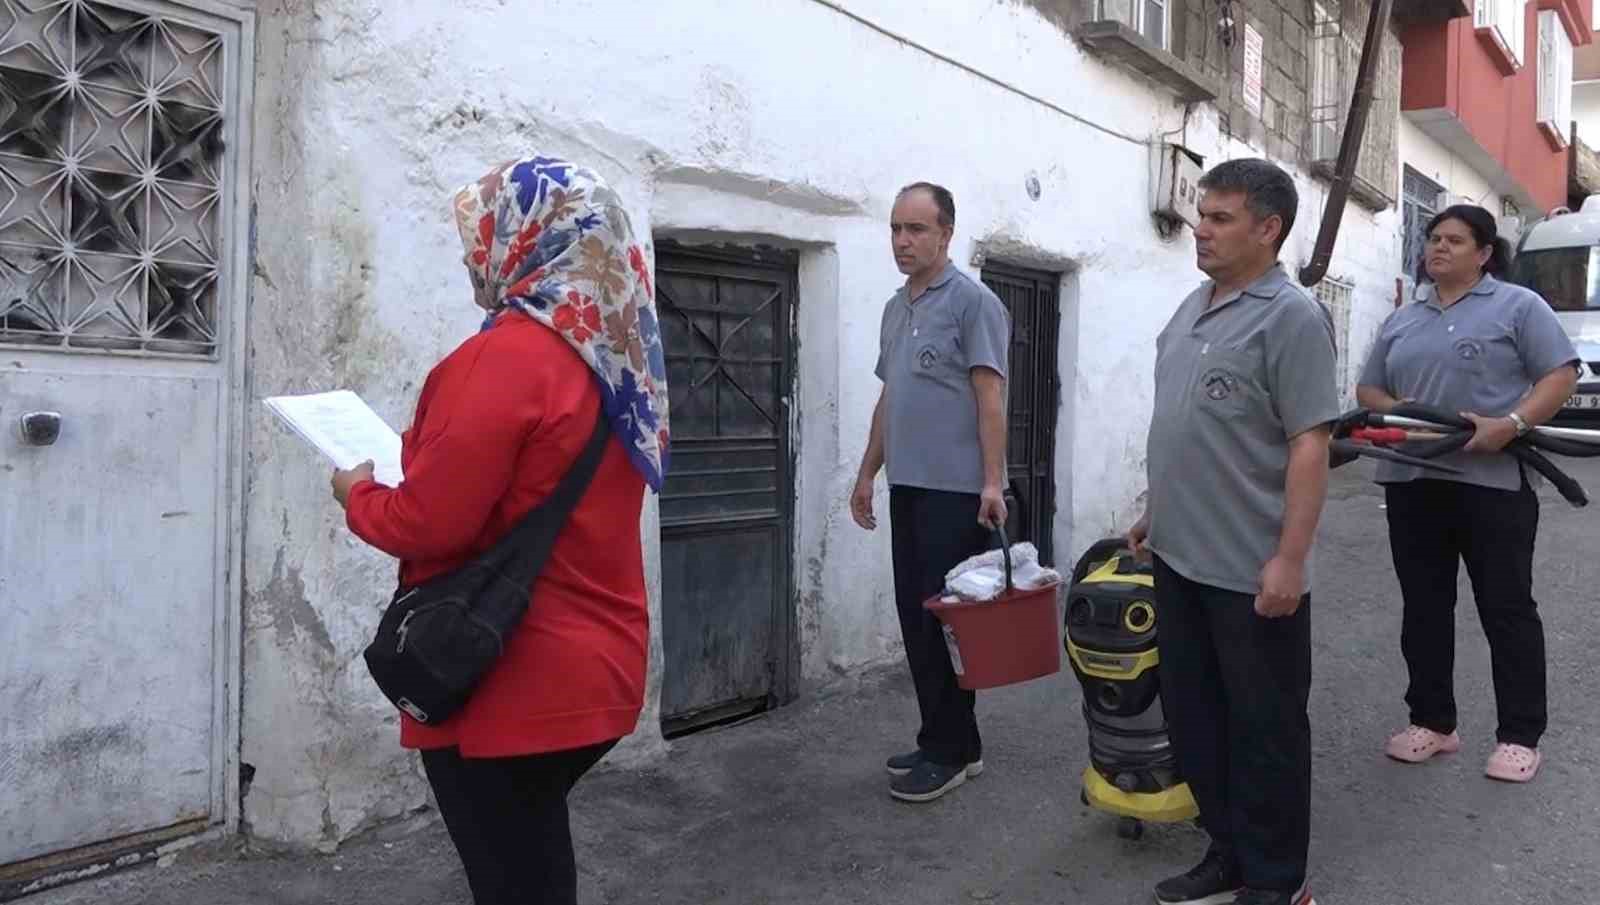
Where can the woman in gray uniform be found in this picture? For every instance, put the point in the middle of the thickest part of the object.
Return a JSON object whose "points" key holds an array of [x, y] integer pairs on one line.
{"points": [[1495, 353]]}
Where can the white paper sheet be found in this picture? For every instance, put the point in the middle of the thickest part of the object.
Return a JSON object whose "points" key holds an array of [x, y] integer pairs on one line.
{"points": [[345, 429]]}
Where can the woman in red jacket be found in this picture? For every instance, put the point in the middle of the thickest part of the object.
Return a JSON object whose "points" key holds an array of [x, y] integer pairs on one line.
{"points": [[571, 326]]}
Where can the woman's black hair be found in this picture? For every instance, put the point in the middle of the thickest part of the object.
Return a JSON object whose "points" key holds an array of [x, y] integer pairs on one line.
{"points": [[1484, 231]]}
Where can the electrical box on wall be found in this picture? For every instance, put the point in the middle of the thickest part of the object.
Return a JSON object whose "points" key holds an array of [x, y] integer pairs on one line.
{"points": [[1178, 190]]}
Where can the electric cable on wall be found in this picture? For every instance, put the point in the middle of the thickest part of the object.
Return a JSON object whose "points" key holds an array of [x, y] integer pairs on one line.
{"points": [[1000, 83]]}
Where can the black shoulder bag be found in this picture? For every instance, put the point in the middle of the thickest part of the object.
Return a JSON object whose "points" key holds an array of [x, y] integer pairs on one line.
{"points": [[438, 639]]}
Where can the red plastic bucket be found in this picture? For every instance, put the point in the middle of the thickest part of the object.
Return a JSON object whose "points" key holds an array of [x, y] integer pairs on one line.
{"points": [[1010, 639]]}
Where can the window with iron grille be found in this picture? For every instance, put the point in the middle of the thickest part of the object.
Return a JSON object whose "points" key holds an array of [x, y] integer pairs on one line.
{"points": [[1337, 295], [1555, 76], [1150, 18], [1335, 59], [1505, 18], [1420, 200], [112, 164]]}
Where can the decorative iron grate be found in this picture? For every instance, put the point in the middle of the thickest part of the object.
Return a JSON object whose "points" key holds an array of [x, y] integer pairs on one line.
{"points": [[1420, 200], [111, 159]]}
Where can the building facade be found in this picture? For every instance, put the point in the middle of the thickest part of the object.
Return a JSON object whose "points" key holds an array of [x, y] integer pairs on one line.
{"points": [[1488, 106], [207, 203]]}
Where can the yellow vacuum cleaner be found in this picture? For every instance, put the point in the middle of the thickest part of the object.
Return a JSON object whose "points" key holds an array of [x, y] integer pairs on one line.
{"points": [[1111, 642]]}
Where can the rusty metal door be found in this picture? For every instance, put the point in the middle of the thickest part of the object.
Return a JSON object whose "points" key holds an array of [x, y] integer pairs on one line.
{"points": [[120, 301], [727, 507], [1034, 390]]}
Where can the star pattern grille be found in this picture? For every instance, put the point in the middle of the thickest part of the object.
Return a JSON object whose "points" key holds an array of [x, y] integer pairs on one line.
{"points": [[111, 159]]}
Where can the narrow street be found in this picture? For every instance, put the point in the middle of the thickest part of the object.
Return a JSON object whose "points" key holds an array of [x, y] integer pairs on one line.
{"points": [[792, 808]]}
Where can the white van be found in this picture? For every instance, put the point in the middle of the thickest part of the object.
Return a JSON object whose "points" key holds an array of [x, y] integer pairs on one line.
{"points": [[1559, 258]]}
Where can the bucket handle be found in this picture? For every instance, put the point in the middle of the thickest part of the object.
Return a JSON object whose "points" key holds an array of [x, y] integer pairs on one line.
{"points": [[1005, 556]]}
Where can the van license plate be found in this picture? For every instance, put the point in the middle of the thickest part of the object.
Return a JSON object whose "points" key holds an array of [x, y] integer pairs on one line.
{"points": [[1584, 402]]}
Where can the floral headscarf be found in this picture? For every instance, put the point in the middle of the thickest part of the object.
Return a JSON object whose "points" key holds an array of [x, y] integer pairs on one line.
{"points": [[552, 240]]}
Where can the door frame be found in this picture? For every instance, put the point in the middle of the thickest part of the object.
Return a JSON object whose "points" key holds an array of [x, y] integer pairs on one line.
{"points": [[783, 660], [235, 253], [242, 215]]}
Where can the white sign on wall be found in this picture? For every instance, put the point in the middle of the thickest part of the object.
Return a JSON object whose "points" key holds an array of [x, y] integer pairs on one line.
{"points": [[1252, 69]]}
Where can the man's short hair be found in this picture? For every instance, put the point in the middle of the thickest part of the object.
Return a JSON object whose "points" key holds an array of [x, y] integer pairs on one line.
{"points": [[942, 199], [1268, 191]]}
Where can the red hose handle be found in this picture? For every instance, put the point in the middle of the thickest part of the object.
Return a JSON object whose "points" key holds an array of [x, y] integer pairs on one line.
{"points": [[1379, 434]]}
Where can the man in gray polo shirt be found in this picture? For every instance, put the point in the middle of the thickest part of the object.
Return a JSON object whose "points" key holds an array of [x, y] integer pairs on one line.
{"points": [[939, 426], [1238, 469]]}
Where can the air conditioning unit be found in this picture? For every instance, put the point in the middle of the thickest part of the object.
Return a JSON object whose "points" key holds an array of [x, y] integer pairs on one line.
{"points": [[1178, 191]]}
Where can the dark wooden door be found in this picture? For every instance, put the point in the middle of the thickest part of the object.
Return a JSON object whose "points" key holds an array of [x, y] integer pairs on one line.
{"points": [[726, 510], [1033, 299]]}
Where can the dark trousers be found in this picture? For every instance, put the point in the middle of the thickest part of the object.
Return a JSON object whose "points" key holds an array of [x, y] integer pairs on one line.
{"points": [[1433, 526], [1234, 686], [933, 531], [508, 819]]}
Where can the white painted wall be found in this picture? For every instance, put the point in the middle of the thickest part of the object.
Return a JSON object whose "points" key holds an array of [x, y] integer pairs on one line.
{"points": [[1586, 111], [1427, 156], [789, 120]]}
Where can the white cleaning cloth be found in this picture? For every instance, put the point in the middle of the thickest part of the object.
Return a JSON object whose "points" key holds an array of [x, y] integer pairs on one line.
{"points": [[982, 577]]}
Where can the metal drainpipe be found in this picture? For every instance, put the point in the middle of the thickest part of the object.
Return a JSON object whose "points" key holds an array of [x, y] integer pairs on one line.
{"points": [[1355, 127]]}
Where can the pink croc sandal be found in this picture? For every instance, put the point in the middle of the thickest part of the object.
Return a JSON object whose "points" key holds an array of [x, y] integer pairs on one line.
{"points": [[1512, 763], [1416, 744]]}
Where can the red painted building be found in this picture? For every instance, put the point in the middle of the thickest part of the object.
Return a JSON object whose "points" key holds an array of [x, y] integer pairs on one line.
{"points": [[1474, 83]]}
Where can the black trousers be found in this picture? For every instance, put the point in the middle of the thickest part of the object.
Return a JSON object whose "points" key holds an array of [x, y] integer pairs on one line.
{"points": [[1234, 686], [1433, 527], [933, 531], [508, 819]]}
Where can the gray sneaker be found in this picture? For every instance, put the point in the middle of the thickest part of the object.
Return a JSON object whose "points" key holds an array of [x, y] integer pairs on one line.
{"points": [[1214, 881], [901, 764], [927, 781]]}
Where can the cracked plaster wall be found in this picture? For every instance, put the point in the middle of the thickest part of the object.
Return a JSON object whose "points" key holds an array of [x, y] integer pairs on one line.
{"points": [[785, 121]]}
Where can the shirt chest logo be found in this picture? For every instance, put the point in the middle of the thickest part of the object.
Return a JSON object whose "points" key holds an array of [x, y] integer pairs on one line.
{"points": [[1468, 349], [1218, 384], [928, 356]]}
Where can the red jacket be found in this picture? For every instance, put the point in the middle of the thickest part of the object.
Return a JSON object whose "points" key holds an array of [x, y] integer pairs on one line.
{"points": [[498, 423]]}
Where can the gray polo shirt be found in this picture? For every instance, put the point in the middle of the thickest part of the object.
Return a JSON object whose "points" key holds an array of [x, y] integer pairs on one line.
{"points": [[1482, 355], [926, 352], [1234, 382]]}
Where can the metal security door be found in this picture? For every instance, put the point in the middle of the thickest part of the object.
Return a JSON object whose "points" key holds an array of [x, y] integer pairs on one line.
{"points": [[1034, 389], [119, 313], [726, 509]]}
